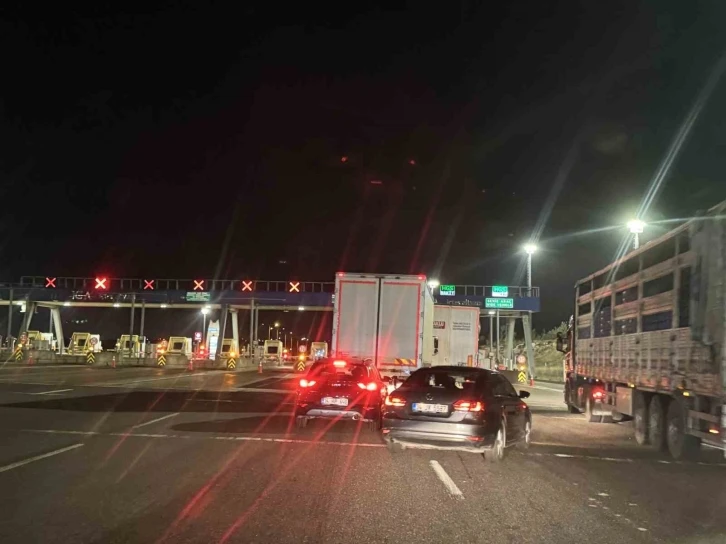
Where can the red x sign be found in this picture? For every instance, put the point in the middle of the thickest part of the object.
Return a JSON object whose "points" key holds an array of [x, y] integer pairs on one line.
{"points": [[294, 286], [50, 282], [149, 284], [101, 283], [246, 285], [199, 285]]}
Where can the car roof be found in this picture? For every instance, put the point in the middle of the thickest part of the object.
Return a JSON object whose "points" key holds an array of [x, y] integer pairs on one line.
{"points": [[456, 368]]}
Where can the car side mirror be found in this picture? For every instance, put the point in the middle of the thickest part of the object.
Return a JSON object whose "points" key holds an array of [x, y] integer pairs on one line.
{"points": [[560, 346], [524, 394]]}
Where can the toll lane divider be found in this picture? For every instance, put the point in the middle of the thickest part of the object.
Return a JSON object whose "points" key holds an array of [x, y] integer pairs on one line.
{"points": [[113, 359]]}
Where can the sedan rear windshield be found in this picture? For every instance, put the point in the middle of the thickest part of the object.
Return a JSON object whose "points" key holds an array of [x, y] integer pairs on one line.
{"points": [[450, 379], [351, 371]]}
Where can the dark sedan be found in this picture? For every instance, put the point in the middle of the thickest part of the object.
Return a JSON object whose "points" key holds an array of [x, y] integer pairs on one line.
{"points": [[339, 389], [458, 408]]}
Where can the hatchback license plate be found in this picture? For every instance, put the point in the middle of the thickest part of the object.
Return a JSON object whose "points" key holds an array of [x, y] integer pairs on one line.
{"points": [[334, 401], [430, 408]]}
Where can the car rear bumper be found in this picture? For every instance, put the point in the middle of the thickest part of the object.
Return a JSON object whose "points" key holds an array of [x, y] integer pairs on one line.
{"points": [[354, 413], [441, 436]]}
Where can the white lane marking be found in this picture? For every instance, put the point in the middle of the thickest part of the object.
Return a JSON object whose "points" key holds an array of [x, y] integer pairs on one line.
{"points": [[451, 487], [232, 438], [162, 418], [38, 458], [620, 459], [52, 392], [132, 382], [254, 390]]}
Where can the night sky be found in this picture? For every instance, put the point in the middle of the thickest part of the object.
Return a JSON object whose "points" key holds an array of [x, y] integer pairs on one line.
{"points": [[192, 139]]}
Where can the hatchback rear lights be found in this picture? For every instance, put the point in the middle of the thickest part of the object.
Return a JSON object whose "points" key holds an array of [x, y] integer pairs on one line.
{"points": [[468, 406], [598, 394], [307, 383], [368, 386], [394, 401]]}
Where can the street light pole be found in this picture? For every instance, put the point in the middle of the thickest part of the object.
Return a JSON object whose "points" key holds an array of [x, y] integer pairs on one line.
{"points": [[529, 249]]}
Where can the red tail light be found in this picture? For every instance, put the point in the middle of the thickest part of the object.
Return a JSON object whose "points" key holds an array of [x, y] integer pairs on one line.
{"points": [[395, 401], [307, 383], [370, 386], [468, 406], [598, 394]]}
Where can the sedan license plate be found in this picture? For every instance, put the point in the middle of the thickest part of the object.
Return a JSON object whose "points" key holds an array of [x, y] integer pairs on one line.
{"points": [[334, 401], [430, 408]]}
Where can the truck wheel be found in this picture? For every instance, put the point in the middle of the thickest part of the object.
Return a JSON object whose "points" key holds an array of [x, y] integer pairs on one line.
{"points": [[680, 444], [640, 418], [589, 416], [657, 423]]}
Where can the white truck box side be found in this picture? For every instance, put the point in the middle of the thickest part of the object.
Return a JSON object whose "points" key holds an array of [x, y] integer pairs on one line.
{"points": [[400, 321], [457, 331], [355, 316]]}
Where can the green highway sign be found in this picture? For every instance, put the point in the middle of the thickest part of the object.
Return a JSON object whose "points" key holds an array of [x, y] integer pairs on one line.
{"points": [[500, 291], [199, 297], [447, 290], [499, 303]]}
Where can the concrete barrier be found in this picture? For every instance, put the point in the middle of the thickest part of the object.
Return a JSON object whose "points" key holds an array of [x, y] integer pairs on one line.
{"points": [[109, 358]]}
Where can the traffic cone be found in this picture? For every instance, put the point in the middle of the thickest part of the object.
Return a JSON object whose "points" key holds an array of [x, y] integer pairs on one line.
{"points": [[191, 363], [259, 367], [113, 362], [30, 359], [531, 382]]}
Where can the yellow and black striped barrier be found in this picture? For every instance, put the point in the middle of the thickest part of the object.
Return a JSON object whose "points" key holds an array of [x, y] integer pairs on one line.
{"points": [[18, 353], [300, 366], [161, 360], [522, 376], [231, 364], [90, 358]]}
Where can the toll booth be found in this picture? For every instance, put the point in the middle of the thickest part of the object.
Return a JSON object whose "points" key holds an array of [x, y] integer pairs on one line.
{"points": [[318, 350], [179, 345], [83, 342], [230, 350], [272, 350], [129, 346]]}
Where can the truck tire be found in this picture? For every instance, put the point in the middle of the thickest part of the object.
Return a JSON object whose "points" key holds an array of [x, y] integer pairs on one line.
{"points": [[680, 444], [640, 418], [571, 408], [657, 423]]}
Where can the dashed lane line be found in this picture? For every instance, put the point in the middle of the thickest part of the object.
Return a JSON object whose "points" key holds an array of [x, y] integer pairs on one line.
{"points": [[162, 418], [213, 437], [29, 460], [51, 392], [449, 484]]}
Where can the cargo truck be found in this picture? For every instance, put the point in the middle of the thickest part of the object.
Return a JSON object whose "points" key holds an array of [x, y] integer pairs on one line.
{"points": [[647, 340], [387, 319], [456, 335]]}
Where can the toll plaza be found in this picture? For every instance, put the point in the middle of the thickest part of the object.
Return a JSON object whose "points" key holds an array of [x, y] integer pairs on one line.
{"points": [[500, 303], [137, 295], [229, 297]]}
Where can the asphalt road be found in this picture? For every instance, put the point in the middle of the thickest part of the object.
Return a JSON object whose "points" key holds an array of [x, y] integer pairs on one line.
{"points": [[143, 455]]}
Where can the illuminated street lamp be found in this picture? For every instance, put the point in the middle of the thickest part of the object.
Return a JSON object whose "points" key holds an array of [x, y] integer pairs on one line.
{"points": [[636, 226], [433, 284]]}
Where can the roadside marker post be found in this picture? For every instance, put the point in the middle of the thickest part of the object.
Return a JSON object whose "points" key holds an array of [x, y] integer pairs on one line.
{"points": [[161, 360], [259, 366], [90, 357]]}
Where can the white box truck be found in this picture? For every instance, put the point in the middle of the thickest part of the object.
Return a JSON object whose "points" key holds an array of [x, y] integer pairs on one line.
{"points": [[385, 318], [456, 335]]}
